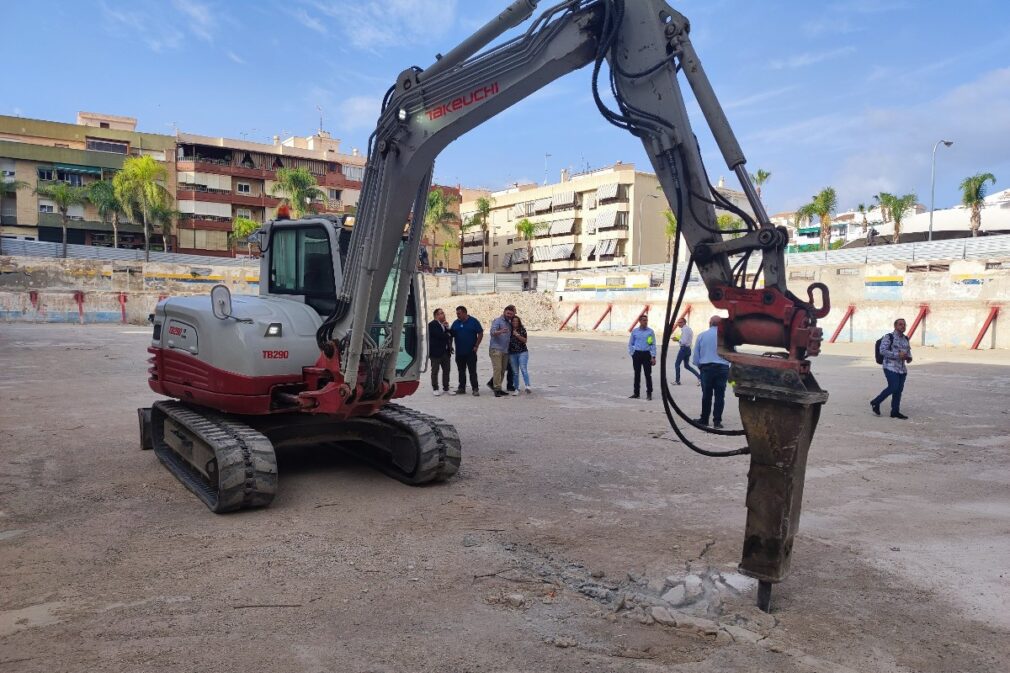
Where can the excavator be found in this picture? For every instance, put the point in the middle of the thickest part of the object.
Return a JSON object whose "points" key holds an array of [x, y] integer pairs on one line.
{"points": [[334, 340]]}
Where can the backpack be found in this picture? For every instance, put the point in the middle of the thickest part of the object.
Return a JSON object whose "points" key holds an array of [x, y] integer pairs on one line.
{"points": [[876, 349]]}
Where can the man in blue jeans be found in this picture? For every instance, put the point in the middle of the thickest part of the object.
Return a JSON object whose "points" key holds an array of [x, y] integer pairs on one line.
{"points": [[896, 351], [714, 373], [684, 352]]}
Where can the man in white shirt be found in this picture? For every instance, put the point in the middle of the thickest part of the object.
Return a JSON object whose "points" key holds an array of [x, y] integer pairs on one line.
{"points": [[684, 354]]}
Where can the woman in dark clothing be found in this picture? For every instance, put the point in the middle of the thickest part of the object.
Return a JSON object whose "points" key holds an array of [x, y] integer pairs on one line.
{"points": [[519, 354]]}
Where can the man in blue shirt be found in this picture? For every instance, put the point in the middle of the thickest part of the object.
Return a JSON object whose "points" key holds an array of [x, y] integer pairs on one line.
{"points": [[501, 331], [466, 334], [714, 373], [642, 349]]}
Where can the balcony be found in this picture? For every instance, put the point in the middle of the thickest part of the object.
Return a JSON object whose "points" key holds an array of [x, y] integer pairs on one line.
{"points": [[204, 222], [228, 197], [54, 220]]}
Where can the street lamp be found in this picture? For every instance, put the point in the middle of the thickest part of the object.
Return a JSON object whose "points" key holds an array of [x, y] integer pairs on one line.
{"points": [[932, 183], [640, 222]]}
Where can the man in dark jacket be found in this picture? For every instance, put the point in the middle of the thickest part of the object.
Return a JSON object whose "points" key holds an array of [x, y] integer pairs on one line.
{"points": [[439, 351]]}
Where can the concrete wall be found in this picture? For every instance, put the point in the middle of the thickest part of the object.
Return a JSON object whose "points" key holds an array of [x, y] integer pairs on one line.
{"points": [[43, 290]]}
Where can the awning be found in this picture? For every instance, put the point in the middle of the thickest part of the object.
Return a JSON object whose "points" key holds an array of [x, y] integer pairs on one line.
{"points": [[605, 220], [606, 247], [519, 256], [607, 192], [541, 205], [474, 237], [519, 210], [592, 249], [86, 170], [548, 253], [473, 258], [809, 230], [561, 227], [564, 199], [508, 260]]}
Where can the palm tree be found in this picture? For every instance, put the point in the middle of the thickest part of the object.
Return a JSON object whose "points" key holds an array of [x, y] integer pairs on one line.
{"points": [[822, 206], [762, 176], [528, 231], [973, 191], [446, 246], [64, 196], [882, 199], [164, 217], [438, 215], [7, 186], [297, 187], [484, 213], [103, 195], [671, 232], [139, 187], [242, 228], [862, 210], [896, 207]]}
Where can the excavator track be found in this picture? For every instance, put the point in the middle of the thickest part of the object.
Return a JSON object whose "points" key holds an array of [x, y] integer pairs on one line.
{"points": [[224, 462], [423, 448]]}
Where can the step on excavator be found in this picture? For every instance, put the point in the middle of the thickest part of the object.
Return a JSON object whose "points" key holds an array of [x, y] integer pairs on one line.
{"points": [[334, 340]]}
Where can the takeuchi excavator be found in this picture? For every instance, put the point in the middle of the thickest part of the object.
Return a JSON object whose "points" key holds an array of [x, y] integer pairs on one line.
{"points": [[333, 341]]}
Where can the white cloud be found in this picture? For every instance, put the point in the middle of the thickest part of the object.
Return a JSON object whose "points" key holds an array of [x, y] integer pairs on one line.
{"points": [[309, 21], [235, 57], [809, 58], [753, 99], [358, 112], [374, 24], [155, 33], [201, 20]]}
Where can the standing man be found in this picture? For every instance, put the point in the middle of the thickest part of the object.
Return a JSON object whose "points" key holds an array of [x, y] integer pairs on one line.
{"points": [[439, 351], [642, 349], [467, 334], [714, 373], [896, 351], [501, 332], [684, 354]]}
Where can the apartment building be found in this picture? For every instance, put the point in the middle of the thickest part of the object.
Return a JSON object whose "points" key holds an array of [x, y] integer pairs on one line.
{"points": [[39, 152], [223, 178]]}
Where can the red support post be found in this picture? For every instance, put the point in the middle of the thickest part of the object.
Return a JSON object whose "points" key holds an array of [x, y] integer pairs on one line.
{"points": [[79, 298], [923, 312], [845, 318], [33, 296], [570, 316], [993, 312], [605, 314], [122, 305], [645, 311]]}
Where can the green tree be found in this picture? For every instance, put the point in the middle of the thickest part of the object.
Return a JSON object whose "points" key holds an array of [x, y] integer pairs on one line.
{"points": [[727, 222], [973, 192], [103, 194], [896, 207], [446, 247], [298, 188], [139, 186], [438, 215], [670, 231], [64, 196], [762, 176], [7, 186], [528, 231], [484, 213], [862, 210], [882, 199], [823, 206], [164, 217], [241, 229]]}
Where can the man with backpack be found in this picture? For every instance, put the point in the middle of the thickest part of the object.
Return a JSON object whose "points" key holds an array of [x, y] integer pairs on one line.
{"points": [[893, 351]]}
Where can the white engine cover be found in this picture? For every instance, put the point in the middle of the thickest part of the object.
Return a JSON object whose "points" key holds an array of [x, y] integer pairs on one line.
{"points": [[188, 325]]}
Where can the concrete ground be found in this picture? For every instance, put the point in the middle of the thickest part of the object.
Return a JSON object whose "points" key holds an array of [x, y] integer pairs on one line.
{"points": [[548, 552]]}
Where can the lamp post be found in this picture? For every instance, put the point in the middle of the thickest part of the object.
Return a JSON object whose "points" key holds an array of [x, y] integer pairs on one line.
{"points": [[932, 183], [640, 223]]}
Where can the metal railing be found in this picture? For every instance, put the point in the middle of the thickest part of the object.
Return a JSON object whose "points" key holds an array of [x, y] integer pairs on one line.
{"points": [[46, 249]]}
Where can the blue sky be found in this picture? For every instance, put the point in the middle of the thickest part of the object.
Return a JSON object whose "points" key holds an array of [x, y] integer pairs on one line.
{"points": [[846, 93]]}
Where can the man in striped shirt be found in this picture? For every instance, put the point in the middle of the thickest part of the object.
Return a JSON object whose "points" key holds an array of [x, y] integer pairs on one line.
{"points": [[896, 351]]}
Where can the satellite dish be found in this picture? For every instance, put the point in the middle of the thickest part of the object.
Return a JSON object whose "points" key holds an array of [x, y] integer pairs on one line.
{"points": [[220, 302]]}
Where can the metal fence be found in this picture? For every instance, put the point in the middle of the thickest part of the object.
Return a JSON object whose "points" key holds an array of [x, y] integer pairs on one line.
{"points": [[45, 249], [486, 283], [983, 247]]}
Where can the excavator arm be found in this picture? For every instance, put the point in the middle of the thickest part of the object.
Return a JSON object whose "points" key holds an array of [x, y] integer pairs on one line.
{"points": [[646, 47]]}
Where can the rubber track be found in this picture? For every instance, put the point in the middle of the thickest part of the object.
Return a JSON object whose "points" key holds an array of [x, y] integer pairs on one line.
{"points": [[436, 440], [246, 464]]}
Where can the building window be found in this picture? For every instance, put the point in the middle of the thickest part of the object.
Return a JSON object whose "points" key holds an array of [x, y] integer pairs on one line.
{"points": [[243, 188], [247, 161], [243, 212], [46, 174], [73, 179], [277, 164], [335, 194], [46, 208], [356, 173], [99, 145], [103, 125]]}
